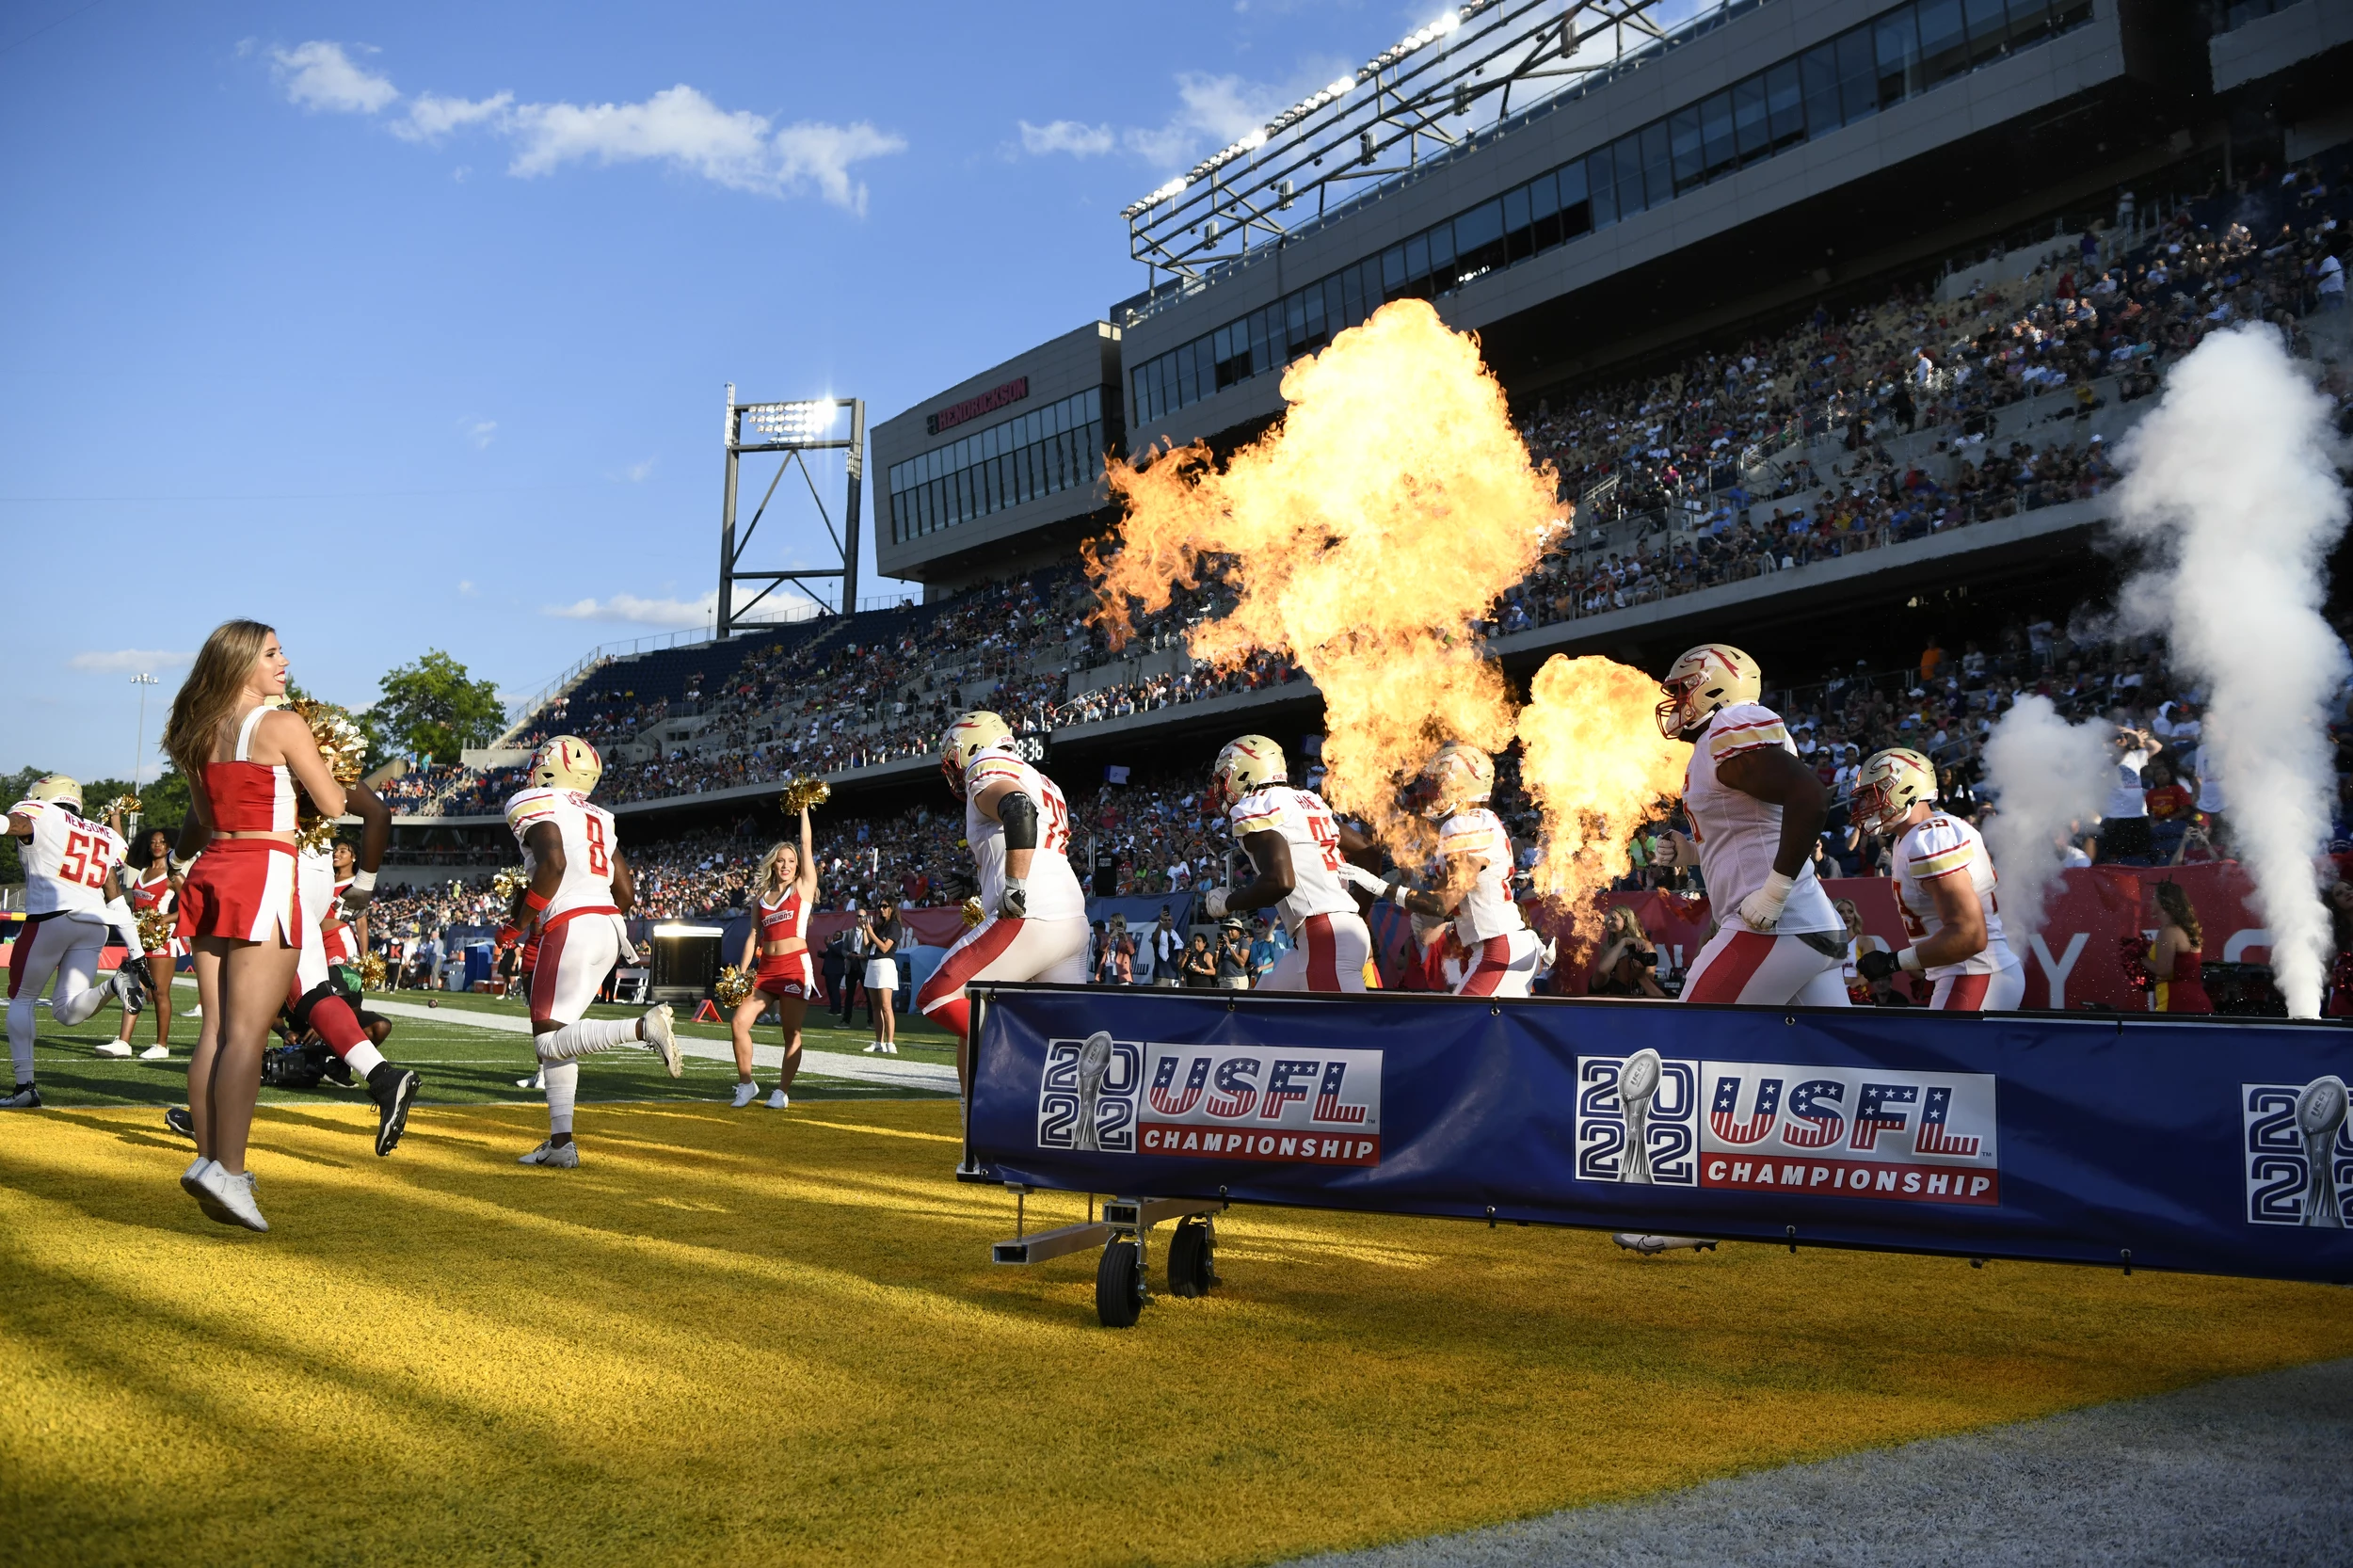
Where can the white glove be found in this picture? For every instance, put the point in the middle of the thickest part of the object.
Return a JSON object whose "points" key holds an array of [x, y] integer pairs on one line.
{"points": [[1677, 848], [1213, 902], [1357, 877], [1014, 903], [1761, 910]]}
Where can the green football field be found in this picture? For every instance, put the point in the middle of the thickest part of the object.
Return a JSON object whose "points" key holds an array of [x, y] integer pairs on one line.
{"points": [[463, 1063]]}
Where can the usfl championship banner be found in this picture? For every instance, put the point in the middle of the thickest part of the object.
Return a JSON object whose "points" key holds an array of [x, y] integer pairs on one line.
{"points": [[2148, 1143]]}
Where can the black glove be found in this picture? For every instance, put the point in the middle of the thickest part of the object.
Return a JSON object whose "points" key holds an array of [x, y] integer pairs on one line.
{"points": [[1877, 965], [135, 967]]}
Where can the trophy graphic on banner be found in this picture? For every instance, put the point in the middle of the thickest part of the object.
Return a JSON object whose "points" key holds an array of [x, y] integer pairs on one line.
{"points": [[2319, 1111], [1637, 1082], [1094, 1060]]}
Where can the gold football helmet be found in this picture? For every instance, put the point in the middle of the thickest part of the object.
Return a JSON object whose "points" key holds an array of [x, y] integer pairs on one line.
{"points": [[1458, 776], [1892, 782], [971, 734], [1706, 678], [567, 762], [1247, 762]]}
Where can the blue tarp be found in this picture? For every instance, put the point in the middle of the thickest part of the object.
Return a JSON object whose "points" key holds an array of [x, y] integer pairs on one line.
{"points": [[2216, 1147]]}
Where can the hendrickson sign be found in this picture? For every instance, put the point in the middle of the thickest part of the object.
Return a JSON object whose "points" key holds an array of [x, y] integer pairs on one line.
{"points": [[973, 408]]}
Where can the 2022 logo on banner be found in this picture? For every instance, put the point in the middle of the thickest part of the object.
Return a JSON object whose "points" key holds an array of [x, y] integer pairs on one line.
{"points": [[1216, 1102], [1856, 1132], [2299, 1152]]}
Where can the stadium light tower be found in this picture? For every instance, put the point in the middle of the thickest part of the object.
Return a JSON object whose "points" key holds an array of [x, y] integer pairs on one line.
{"points": [[794, 429]]}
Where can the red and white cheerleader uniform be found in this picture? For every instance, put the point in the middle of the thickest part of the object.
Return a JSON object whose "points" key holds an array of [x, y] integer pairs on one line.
{"points": [[787, 968], [244, 888]]}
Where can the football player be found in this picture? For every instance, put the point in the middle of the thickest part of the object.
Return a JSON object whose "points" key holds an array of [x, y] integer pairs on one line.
{"points": [[1944, 884], [1034, 923], [322, 1000], [1475, 880], [572, 903], [1755, 811], [1298, 850], [73, 899]]}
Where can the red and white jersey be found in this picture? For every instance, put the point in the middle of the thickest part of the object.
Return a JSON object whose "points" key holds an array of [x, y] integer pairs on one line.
{"points": [[1946, 846], [152, 891], [1487, 909], [247, 797], [784, 917], [1306, 825], [588, 840], [1739, 835], [66, 860], [340, 936], [1054, 891]]}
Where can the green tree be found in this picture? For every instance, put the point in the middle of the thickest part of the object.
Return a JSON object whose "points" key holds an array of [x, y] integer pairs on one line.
{"points": [[432, 710]]}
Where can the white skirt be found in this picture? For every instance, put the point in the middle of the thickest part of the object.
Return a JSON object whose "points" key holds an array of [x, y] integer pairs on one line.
{"points": [[882, 974]]}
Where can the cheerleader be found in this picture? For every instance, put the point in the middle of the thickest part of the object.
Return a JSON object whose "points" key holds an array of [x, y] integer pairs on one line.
{"points": [[152, 896], [776, 951], [239, 910]]}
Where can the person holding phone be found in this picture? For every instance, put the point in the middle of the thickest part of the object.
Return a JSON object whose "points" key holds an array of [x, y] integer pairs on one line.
{"points": [[878, 933]]}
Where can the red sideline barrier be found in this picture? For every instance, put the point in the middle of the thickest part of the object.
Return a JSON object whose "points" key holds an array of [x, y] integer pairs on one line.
{"points": [[2076, 957]]}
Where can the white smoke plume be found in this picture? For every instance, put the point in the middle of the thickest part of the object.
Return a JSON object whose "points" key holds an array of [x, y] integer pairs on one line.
{"points": [[2230, 483], [2046, 773]]}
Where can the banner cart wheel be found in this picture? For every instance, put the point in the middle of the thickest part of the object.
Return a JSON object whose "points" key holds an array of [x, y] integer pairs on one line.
{"points": [[1192, 1259], [1119, 1284]]}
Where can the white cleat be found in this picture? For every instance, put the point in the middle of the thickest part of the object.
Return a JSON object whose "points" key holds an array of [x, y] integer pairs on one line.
{"points": [[155, 1053], [233, 1196], [746, 1093], [116, 1050], [555, 1156], [871, 1048], [778, 1100], [661, 1036], [540, 1082], [890, 1047]]}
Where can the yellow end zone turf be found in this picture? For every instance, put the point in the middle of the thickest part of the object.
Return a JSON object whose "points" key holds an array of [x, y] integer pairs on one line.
{"points": [[761, 1338]]}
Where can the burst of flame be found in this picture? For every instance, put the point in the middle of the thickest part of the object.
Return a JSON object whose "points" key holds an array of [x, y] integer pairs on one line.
{"points": [[1593, 761], [1389, 509]]}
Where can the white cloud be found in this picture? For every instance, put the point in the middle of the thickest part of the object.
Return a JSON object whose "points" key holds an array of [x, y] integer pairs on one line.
{"points": [[130, 660], [637, 474], [431, 117], [679, 126], [466, 588], [319, 75], [640, 612], [1211, 112], [1074, 137], [479, 433]]}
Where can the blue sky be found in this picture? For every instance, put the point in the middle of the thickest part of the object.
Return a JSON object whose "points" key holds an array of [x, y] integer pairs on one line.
{"points": [[405, 326]]}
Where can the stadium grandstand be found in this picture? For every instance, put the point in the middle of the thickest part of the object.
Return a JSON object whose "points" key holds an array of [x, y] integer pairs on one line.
{"points": [[1826, 315]]}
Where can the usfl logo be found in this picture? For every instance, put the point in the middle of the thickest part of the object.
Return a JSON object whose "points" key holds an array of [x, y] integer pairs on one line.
{"points": [[1222, 1102], [2299, 1153], [1778, 1127]]}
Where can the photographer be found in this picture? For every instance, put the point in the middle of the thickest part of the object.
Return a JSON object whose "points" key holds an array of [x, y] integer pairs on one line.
{"points": [[1627, 964], [878, 932]]}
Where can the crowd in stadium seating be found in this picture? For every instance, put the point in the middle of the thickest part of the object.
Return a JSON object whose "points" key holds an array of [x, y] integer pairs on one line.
{"points": [[1927, 416]]}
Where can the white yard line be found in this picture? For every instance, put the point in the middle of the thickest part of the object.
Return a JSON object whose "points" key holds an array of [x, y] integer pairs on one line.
{"points": [[899, 1072]]}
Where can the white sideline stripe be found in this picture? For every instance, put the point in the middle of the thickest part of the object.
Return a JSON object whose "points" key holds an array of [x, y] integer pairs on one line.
{"points": [[830, 1063]]}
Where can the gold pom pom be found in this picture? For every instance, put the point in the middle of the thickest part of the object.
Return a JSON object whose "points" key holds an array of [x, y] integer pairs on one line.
{"points": [[973, 914], [154, 930], [505, 885], [734, 986], [803, 793], [343, 746], [124, 803], [372, 972]]}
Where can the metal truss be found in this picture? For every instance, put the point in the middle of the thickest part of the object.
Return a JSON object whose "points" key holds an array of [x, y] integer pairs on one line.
{"points": [[1476, 66], [792, 429]]}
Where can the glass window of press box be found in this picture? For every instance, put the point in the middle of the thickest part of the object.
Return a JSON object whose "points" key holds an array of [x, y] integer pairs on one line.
{"points": [[1897, 55], [1058, 447]]}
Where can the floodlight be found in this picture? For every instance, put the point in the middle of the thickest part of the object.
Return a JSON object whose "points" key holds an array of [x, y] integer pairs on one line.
{"points": [[1340, 89]]}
